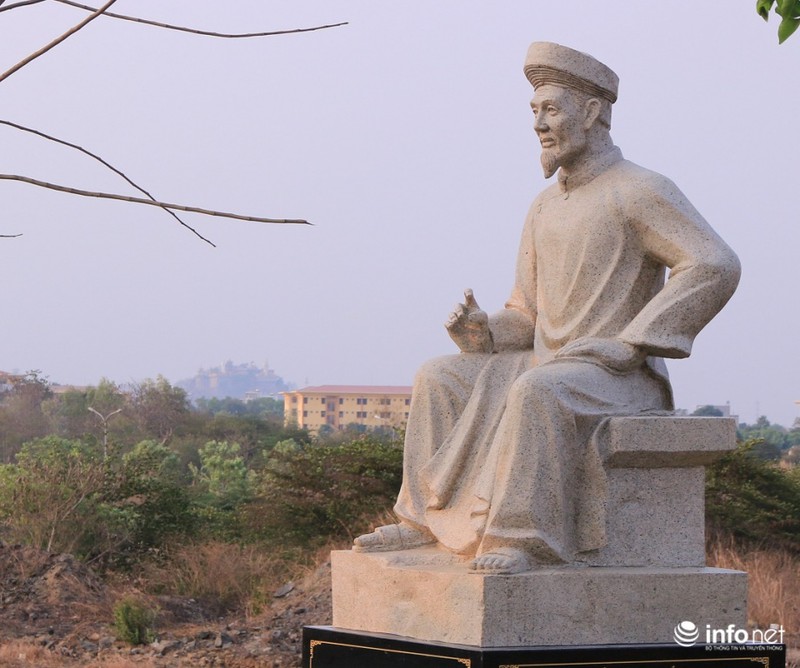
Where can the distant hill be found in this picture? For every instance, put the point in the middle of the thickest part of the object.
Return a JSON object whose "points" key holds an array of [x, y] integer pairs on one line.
{"points": [[239, 381]]}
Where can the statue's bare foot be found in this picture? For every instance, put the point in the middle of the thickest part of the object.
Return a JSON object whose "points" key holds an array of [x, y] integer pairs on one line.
{"points": [[500, 561], [393, 537]]}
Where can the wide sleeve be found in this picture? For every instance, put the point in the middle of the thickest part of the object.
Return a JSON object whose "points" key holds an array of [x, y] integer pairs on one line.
{"points": [[703, 270], [513, 327]]}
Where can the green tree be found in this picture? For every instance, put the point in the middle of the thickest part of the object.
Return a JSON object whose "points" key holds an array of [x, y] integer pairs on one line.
{"points": [[159, 408], [708, 411], [769, 441], [49, 498], [153, 488], [311, 493], [22, 417], [753, 499], [788, 10], [223, 475]]}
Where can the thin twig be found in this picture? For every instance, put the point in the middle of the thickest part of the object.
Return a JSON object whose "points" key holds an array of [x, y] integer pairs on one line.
{"points": [[56, 41], [139, 200], [9, 236], [198, 32], [20, 4], [111, 167]]}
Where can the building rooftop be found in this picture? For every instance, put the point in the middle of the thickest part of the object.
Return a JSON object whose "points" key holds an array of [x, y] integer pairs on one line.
{"points": [[354, 389]]}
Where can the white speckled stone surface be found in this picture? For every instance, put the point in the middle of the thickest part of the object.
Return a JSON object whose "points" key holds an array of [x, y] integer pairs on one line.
{"points": [[439, 600], [656, 488]]}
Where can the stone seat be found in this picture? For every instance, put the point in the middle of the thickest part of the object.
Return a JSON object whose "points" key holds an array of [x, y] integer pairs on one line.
{"points": [[656, 488]]}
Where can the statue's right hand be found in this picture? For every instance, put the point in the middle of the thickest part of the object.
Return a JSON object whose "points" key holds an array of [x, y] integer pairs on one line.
{"points": [[468, 326]]}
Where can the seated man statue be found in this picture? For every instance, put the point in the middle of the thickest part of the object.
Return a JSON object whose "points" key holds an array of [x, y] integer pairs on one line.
{"points": [[502, 461]]}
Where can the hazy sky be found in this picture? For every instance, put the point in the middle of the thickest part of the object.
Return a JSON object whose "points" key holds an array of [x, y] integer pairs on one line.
{"points": [[406, 138]]}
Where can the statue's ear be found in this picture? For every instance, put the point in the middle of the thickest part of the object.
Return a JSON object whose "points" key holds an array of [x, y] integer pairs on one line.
{"points": [[591, 112]]}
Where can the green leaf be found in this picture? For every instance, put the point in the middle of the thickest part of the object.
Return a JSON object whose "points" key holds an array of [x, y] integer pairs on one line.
{"points": [[763, 7], [785, 7], [786, 28]]}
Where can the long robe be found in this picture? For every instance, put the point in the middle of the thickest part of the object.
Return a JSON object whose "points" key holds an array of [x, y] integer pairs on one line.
{"points": [[505, 449]]}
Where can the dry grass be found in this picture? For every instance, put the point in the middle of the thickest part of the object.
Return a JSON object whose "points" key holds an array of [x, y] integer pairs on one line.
{"points": [[25, 654], [19, 653], [773, 582], [224, 577], [773, 595]]}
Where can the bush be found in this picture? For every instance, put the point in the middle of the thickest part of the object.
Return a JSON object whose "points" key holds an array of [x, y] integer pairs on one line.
{"points": [[134, 621], [310, 494], [51, 498], [753, 499]]}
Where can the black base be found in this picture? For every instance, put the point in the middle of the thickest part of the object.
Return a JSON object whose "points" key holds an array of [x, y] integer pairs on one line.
{"points": [[328, 647]]}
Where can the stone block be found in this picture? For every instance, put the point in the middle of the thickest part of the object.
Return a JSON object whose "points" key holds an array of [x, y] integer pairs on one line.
{"points": [[656, 488], [428, 594], [654, 441]]}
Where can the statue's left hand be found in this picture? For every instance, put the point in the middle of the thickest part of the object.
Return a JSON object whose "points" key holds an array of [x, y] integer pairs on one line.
{"points": [[613, 353]]}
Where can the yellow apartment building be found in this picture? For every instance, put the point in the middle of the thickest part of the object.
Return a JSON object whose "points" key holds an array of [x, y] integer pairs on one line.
{"points": [[338, 406]]}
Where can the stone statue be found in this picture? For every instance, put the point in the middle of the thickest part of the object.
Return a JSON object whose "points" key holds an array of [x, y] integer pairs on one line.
{"points": [[502, 461]]}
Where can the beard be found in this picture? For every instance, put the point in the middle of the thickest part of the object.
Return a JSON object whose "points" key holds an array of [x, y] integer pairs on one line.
{"points": [[550, 162]]}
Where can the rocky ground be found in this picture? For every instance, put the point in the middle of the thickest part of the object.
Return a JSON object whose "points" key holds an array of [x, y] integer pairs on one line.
{"points": [[54, 611]]}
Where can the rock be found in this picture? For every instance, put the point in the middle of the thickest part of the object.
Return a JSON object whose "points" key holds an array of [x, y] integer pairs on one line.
{"points": [[284, 590], [222, 640]]}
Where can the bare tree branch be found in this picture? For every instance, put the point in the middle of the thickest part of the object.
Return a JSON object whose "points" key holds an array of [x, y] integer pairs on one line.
{"points": [[9, 236], [56, 41], [194, 31], [111, 167], [19, 4], [139, 200]]}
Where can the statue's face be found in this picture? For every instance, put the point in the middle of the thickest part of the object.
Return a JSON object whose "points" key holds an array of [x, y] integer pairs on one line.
{"points": [[559, 116]]}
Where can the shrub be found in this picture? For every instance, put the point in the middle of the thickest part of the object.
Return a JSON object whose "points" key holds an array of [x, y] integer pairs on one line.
{"points": [[312, 493], [134, 621], [754, 500]]}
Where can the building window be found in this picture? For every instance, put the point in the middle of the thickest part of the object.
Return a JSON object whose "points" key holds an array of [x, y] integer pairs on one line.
{"points": [[322, 399], [305, 413], [341, 414], [305, 400], [341, 401], [322, 413], [408, 402], [361, 401], [385, 415], [294, 400], [361, 414]]}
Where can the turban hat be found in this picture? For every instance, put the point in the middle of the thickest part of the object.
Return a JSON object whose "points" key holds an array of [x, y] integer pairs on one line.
{"points": [[548, 63]]}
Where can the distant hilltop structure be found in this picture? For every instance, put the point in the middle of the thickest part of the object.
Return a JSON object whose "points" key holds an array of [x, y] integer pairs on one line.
{"points": [[337, 407], [238, 381]]}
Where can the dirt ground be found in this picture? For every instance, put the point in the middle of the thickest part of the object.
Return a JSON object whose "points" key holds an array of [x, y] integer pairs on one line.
{"points": [[54, 611]]}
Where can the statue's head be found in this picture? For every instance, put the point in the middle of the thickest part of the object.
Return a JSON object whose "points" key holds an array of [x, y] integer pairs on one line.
{"points": [[572, 102]]}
